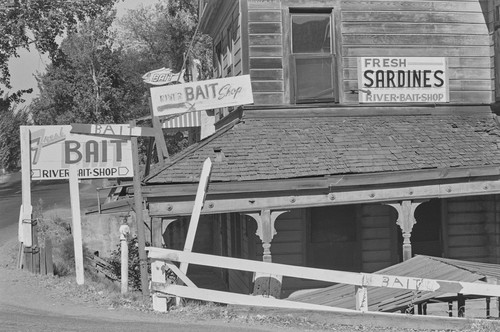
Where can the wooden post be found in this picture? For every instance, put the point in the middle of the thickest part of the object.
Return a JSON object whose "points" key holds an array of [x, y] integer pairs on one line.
{"points": [[406, 220], [158, 277], [161, 145], [25, 236], [361, 298], [76, 225], [266, 284], [48, 256], [138, 205], [198, 205], [124, 232], [35, 247]]}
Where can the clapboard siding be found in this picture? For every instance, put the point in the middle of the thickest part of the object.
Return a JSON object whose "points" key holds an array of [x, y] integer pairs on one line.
{"points": [[377, 233], [457, 30], [468, 220], [265, 39]]}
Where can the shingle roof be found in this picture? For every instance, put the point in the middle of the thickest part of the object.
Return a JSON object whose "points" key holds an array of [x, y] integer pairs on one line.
{"points": [[274, 148]]}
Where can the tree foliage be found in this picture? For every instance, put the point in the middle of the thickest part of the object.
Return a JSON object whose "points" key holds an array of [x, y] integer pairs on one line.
{"points": [[40, 22], [87, 82], [10, 152], [160, 36]]}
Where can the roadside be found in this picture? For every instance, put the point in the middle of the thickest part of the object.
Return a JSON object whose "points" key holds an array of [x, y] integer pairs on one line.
{"points": [[50, 296]]}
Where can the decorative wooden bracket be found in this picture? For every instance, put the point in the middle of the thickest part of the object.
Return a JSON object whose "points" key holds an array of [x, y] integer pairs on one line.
{"points": [[266, 284], [406, 220], [265, 229]]}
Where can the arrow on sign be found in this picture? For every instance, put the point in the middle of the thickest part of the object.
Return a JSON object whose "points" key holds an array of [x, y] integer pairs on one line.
{"points": [[36, 173], [123, 171]]}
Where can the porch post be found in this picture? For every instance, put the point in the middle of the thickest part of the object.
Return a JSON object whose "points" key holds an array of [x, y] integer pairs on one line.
{"points": [[406, 220], [266, 284]]}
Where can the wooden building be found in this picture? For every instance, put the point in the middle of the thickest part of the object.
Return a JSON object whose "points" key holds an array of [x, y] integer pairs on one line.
{"points": [[372, 138]]}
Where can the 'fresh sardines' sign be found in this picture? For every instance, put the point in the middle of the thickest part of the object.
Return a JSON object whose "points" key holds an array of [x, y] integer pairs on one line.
{"points": [[403, 80], [201, 95]]}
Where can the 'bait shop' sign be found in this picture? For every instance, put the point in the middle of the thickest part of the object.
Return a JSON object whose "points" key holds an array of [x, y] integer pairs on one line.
{"points": [[403, 80], [201, 95], [55, 148]]}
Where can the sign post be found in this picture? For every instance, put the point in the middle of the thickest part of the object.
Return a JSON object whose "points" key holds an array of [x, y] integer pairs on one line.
{"points": [[76, 224], [53, 152]]}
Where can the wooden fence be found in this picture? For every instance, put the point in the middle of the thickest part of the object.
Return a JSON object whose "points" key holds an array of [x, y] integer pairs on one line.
{"points": [[162, 260], [37, 258]]}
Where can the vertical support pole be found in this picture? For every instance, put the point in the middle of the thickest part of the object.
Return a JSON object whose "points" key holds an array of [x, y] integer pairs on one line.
{"points": [[35, 247], [48, 257], [361, 298], [124, 232], [266, 284], [76, 226], [158, 277], [138, 205], [25, 235], [161, 145], [488, 307], [450, 309]]}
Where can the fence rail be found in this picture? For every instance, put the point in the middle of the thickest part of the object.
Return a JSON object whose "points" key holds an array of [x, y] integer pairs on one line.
{"points": [[160, 257]]}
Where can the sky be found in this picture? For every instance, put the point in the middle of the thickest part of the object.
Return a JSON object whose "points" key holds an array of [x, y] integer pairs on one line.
{"points": [[24, 68]]}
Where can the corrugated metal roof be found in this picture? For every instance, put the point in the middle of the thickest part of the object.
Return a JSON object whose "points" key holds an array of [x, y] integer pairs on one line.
{"points": [[389, 300]]}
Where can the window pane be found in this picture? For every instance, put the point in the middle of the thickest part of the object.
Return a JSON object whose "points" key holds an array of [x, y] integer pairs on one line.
{"points": [[314, 79], [311, 33]]}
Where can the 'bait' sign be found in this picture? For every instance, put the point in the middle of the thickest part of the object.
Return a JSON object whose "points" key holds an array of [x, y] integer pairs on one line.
{"points": [[403, 80], [55, 148], [201, 95]]}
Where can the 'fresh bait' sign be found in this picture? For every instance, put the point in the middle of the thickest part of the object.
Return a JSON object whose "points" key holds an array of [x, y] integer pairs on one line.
{"points": [[55, 148], [403, 80], [201, 95]]}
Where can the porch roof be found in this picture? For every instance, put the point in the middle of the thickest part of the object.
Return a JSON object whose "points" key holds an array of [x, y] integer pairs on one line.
{"points": [[389, 299], [291, 145]]}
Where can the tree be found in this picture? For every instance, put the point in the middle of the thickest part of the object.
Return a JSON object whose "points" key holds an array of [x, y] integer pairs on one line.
{"points": [[10, 153], [40, 22], [160, 36], [87, 83]]}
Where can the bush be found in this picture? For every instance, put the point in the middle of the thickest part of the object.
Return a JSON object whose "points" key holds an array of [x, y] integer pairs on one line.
{"points": [[134, 270]]}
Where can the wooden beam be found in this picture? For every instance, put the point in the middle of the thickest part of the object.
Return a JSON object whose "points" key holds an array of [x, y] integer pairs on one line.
{"points": [[333, 276], [336, 183], [228, 203], [198, 204], [241, 299]]}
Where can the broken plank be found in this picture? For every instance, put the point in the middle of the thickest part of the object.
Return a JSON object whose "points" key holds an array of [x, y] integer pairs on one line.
{"points": [[241, 299]]}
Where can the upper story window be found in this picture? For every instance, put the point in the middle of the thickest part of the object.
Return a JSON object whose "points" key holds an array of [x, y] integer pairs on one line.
{"points": [[312, 60]]}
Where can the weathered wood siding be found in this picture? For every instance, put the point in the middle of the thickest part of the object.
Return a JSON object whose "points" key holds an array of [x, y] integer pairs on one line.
{"points": [[378, 232], [473, 230], [457, 30], [238, 247], [288, 245], [495, 28], [265, 49]]}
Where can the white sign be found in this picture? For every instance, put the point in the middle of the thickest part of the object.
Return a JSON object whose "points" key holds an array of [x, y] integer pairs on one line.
{"points": [[54, 149], [201, 95], [111, 130], [403, 80], [163, 76]]}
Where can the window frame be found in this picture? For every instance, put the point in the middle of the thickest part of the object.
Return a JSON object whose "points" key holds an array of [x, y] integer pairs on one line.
{"points": [[293, 56]]}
